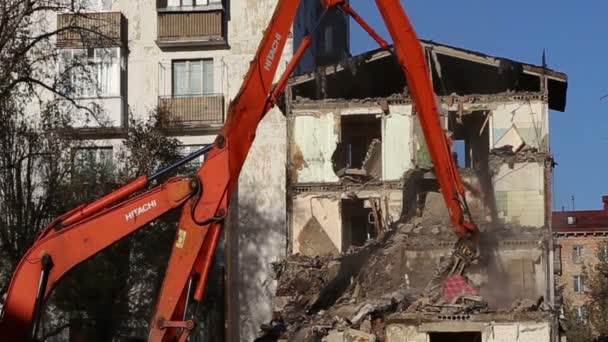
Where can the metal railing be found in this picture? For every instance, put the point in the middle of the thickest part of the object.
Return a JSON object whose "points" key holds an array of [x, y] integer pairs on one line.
{"points": [[95, 29], [191, 26]]}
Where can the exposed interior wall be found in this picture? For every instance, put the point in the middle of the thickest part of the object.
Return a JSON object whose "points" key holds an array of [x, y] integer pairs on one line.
{"points": [[398, 142], [313, 211], [530, 118], [315, 139], [317, 133], [319, 218], [520, 331], [519, 192]]}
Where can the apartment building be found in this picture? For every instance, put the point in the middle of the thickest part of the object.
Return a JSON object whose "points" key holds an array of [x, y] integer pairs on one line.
{"points": [[188, 58], [581, 242], [358, 168]]}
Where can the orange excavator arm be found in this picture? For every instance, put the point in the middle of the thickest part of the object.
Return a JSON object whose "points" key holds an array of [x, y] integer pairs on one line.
{"points": [[205, 198]]}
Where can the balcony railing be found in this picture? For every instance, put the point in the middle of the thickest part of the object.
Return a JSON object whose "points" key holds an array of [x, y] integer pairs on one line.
{"points": [[181, 28], [96, 29], [193, 111]]}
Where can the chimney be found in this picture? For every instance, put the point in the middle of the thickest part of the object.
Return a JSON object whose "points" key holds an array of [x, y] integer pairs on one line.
{"points": [[605, 200]]}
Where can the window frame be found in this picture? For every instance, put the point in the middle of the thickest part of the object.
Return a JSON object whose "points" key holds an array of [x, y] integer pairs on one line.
{"points": [[582, 314], [603, 255], [577, 254], [94, 63], [96, 164], [194, 3], [578, 285], [203, 84]]}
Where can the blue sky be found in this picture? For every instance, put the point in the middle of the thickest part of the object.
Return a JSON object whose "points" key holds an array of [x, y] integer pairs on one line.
{"points": [[574, 33]]}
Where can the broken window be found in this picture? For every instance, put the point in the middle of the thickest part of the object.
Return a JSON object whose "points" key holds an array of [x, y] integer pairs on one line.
{"points": [[464, 336], [579, 283], [471, 135], [359, 151], [577, 254], [361, 221]]}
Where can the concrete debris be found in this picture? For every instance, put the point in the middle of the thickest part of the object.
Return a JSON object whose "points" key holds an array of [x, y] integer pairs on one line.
{"points": [[352, 335], [372, 163], [505, 155], [527, 305], [350, 296], [371, 166]]}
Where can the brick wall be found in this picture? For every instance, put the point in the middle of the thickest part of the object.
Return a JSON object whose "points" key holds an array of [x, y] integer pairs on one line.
{"points": [[589, 258]]}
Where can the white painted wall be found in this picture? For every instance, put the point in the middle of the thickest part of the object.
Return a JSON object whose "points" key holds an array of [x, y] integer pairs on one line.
{"points": [[397, 142], [260, 225], [315, 136]]}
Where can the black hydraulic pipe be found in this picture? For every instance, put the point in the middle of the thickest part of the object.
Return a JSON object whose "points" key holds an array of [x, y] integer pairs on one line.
{"points": [[47, 264], [181, 162]]}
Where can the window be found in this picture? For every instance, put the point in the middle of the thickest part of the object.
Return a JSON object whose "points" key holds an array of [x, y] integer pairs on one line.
{"points": [[191, 3], [571, 220], [604, 253], [579, 283], [193, 78], [577, 254], [97, 5], [90, 164], [186, 150], [93, 72], [582, 313]]}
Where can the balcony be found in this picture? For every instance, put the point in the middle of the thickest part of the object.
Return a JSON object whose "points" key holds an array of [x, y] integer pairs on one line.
{"points": [[193, 112], [100, 29], [191, 28]]}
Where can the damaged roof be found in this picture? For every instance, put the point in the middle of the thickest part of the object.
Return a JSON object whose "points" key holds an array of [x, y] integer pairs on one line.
{"points": [[454, 71]]}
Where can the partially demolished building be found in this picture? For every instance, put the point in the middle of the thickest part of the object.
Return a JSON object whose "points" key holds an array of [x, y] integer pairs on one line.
{"points": [[366, 225]]}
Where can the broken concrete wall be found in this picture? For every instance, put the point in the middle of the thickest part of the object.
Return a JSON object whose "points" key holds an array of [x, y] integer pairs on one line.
{"points": [[521, 331], [316, 133], [398, 142], [315, 218], [315, 139], [317, 221], [529, 118]]}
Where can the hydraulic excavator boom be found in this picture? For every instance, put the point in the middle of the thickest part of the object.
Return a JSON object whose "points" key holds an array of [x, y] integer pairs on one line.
{"points": [[204, 198]]}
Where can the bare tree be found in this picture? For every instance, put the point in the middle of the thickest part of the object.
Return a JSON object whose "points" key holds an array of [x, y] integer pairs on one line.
{"points": [[29, 57]]}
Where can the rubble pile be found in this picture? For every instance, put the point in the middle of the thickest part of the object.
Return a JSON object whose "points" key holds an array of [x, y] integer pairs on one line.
{"points": [[348, 297]]}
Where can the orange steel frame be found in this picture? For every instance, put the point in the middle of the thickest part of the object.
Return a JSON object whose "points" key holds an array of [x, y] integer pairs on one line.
{"points": [[204, 198]]}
